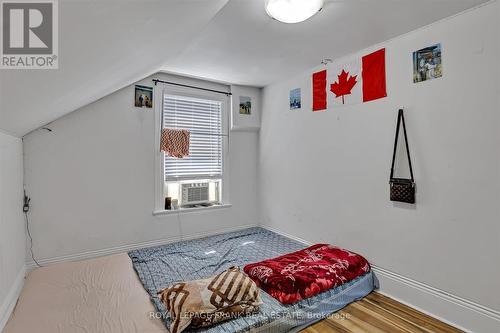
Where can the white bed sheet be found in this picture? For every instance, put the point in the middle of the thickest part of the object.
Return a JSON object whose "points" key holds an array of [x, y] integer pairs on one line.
{"points": [[102, 295]]}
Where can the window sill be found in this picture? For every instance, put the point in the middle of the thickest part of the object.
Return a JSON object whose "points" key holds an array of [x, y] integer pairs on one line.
{"points": [[190, 210]]}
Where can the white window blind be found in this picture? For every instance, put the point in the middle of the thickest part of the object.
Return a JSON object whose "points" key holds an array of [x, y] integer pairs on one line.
{"points": [[203, 119]]}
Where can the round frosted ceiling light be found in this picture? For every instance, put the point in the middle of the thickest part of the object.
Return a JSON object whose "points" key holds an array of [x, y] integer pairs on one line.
{"points": [[293, 11]]}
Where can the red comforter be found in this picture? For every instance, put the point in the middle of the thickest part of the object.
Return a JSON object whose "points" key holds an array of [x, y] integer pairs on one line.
{"points": [[307, 272]]}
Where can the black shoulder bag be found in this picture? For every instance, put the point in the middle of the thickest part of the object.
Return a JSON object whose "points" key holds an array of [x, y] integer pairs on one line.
{"points": [[402, 189]]}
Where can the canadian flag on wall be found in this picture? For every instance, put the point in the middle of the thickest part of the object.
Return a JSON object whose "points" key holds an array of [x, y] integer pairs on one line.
{"points": [[356, 81]]}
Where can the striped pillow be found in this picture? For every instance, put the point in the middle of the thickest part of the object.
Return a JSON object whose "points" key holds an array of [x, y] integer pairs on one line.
{"points": [[202, 303]]}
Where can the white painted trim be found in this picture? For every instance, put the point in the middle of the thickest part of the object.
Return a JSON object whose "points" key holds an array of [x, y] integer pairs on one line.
{"points": [[159, 172], [11, 298], [159, 91], [279, 232], [129, 247], [454, 310], [381, 291], [191, 210], [457, 300]]}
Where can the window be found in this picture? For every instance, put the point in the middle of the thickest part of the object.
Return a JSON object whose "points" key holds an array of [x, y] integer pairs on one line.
{"points": [[195, 179], [202, 118]]}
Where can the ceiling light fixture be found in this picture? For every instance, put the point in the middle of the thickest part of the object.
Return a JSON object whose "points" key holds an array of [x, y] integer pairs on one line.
{"points": [[293, 11]]}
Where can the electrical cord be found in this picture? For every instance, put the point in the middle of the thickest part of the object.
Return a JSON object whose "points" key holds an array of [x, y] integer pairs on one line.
{"points": [[31, 239]]}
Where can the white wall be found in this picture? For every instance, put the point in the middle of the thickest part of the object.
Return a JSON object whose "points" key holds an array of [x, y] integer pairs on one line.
{"points": [[324, 175], [92, 180], [12, 234]]}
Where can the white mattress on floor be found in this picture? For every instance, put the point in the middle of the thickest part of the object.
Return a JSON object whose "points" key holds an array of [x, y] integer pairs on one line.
{"points": [[102, 295]]}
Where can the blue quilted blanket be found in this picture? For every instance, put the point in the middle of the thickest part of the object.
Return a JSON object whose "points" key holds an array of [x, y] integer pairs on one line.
{"points": [[159, 267]]}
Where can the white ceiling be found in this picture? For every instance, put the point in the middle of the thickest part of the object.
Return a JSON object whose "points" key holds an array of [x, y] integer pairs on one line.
{"points": [[243, 45], [105, 45]]}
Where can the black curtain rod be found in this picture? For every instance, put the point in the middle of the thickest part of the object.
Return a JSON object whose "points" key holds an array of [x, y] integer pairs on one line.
{"points": [[156, 81]]}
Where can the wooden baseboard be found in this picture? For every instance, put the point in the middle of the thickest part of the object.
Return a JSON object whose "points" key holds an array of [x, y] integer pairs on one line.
{"points": [[457, 311], [11, 299]]}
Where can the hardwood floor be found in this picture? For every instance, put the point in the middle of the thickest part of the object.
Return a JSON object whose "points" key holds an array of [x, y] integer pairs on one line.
{"points": [[379, 314]]}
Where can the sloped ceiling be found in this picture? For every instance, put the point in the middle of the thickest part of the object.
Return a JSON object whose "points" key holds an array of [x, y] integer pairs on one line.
{"points": [[105, 45]]}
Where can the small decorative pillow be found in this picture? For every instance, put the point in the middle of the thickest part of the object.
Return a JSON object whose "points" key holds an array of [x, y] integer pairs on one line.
{"points": [[202, 303]]}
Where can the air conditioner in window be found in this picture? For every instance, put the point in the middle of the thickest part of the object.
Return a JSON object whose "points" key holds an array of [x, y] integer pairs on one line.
{"points": [[195, 194]]}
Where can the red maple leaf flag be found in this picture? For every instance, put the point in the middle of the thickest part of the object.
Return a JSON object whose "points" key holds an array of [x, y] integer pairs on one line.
{"points": [[356, 81], [344, 85]]}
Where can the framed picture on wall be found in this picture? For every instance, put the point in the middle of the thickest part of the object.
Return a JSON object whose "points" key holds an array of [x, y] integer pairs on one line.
{"points": [[245, 105], [245, 108], [427, 64], [143, 96], [295, 99]]}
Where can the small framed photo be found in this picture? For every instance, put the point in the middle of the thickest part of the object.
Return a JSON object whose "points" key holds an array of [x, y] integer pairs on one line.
{"points": [[143, 96], [245, 105], [427, 64], [295, 99]]}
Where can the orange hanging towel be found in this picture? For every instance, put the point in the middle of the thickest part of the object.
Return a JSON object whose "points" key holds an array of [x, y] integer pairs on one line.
{"points": [[175, 142]]}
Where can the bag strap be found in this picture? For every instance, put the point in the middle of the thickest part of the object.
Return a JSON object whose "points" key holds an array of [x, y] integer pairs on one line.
{"points": [[401, 118]]}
